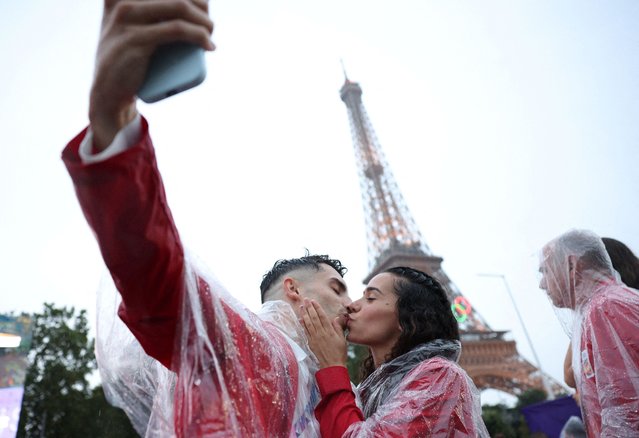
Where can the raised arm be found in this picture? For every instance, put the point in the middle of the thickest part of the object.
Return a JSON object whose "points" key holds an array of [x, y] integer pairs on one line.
{"points": [[123, 198], [236, 375], [124, 203]]}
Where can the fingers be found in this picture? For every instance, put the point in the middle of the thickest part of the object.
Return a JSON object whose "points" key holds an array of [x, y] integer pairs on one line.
{"points": [[172, 31], [323, 318], [327, 343], [318, 315], [310, 321], [144, 12], [316, 321], [110, 5], [143, 23], [314, 317]]}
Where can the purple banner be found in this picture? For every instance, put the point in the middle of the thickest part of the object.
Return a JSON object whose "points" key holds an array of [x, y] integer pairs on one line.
{"points": [[550, 416], [10, 402]]}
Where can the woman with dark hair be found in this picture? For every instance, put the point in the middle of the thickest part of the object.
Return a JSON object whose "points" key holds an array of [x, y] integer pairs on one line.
{"points": [[624, 261], [412, 383]]}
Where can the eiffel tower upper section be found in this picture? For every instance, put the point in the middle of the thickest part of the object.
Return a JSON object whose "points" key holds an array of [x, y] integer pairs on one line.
{"points": [[392, 236]]}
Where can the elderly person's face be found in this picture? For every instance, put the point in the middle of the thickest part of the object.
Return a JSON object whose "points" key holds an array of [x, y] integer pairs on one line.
{"points": [[555, 278]]}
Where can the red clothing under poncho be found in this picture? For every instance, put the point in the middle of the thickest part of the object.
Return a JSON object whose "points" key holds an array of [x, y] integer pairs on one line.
{"points": [[237, 375]]}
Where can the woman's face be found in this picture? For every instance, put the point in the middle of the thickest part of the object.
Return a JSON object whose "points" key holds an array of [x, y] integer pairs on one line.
{"points": [[373, 318]]}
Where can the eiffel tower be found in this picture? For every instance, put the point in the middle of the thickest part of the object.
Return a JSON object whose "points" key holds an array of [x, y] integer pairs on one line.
{"points": [[394, 239]]}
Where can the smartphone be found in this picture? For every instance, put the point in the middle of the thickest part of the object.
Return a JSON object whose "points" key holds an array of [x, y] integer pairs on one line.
{"points": [[173, 68]]}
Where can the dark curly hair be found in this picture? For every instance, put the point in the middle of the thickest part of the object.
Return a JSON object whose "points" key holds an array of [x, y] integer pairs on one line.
{"points": [[423, 310], [283, 267], [623, 260]]}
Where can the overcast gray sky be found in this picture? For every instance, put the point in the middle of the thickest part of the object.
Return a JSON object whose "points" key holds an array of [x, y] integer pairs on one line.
{"points": [[505, 124]]}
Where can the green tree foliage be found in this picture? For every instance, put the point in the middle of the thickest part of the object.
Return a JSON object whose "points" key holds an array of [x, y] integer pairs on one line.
{"points": [[506, 422], [498, 420], [356, 356], [58, 400], [530, 397]]}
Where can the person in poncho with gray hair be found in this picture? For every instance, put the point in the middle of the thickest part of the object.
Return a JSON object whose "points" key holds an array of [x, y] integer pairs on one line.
{"points": [[601, 315], [413, 386]]}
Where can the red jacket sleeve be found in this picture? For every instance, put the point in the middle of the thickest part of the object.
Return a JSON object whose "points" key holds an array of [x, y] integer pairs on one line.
{"points": [[337, 410], [239, 375], [124, 203]]}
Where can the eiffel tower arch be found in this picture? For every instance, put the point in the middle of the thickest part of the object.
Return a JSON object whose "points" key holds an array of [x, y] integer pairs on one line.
{"points": [[393, 239]]}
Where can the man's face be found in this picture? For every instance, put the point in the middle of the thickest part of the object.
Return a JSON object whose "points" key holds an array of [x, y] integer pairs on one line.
{"points": [[328, 288]]}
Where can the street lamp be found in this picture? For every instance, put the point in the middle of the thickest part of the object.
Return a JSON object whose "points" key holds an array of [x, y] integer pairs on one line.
{"points": [[544, 379]]}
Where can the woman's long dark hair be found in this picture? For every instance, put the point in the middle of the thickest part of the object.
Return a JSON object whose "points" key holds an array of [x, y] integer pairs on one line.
{"points": [[624, 261], [423, 310]]}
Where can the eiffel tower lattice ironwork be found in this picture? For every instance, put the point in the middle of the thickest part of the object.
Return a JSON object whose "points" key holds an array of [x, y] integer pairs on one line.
{"points": [[491, 360]]}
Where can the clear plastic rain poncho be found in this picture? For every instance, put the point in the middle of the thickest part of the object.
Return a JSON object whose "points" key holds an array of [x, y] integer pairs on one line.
{"points": [[220, 389], [420, 393], [601, 315], [217, 369]]}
